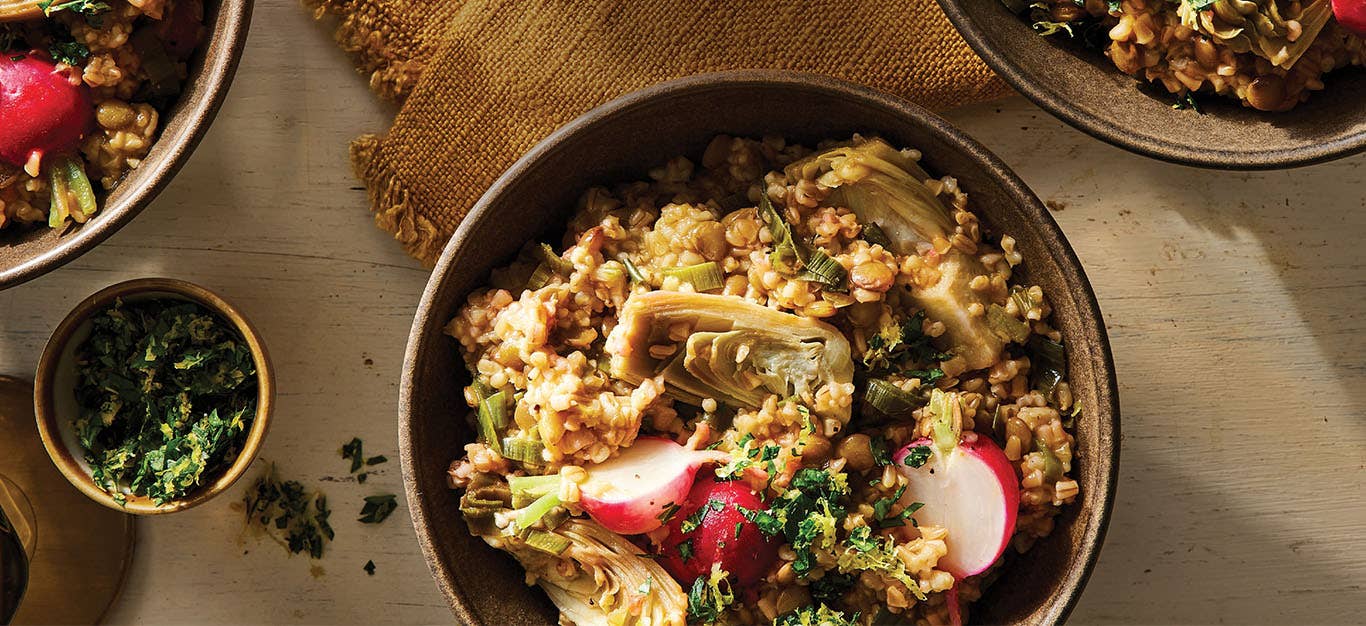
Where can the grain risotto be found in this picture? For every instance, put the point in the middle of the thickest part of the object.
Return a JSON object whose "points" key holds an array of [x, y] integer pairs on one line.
{"points": [[83, 85], [787, 386], [1268, 54]]}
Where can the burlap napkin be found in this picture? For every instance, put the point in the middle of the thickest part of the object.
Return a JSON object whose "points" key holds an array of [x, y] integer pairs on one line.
{"points": [[481, 81]]}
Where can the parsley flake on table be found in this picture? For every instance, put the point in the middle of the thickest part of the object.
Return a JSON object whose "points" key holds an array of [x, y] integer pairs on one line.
{"points": [[292, 515], [369, 568], [354, 451], [167, 392], [377, 508]]}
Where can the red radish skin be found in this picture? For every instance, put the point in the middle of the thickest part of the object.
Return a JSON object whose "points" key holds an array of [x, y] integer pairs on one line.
{"points": [[41, 111], [747, 557], [1352, 15], [974, 493], [628, 493]]}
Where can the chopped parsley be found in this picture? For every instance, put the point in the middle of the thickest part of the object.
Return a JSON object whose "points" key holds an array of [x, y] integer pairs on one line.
{"points": [[377, 508], [832, 586], [354, 451], [369, 568], [167, 392], [69, 52], [805, 515], [917, 456], [900, 347], [693, 521], [882, 456], [816, 615], [685, 549], [883, 507], [709, 597], [1186, 100], [289, 513], [668, 512], [87, 7], [861, 538]]}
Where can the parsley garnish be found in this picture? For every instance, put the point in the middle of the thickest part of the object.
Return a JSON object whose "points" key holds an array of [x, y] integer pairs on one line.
{"points": [[816, 615], [1186, 100], [369, 568], [832, 586], [917, 456], [883, 507], [288, 512], [377, 508], [69, 52], [900, 346], [881, 455], [88, 7], [861, 538], [693, 521], [354, 451], [709, 597], [685, 549], [668, 513], [167, 392]]}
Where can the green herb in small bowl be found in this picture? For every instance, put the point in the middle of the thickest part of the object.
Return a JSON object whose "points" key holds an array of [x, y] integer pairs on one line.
{"points": [[153, 395]]}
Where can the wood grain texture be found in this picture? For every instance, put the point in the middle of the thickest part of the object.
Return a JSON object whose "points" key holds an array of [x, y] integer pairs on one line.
{"points": [[1236, 305]]}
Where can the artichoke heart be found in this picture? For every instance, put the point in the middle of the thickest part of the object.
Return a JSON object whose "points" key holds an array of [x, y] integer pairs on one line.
{"points": [[729, 349], [884, 186], [609, 584], [1258, 27]]}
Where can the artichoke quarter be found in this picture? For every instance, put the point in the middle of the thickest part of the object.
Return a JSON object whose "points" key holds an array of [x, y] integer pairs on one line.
{"points": [[608, 585], [883, 186], [1258, 26], [730, 350]]}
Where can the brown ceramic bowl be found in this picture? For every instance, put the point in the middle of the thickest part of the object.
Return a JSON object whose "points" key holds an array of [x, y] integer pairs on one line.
{"points": [[29, 252], [618, 142], [1084, 89], [54, 401]]}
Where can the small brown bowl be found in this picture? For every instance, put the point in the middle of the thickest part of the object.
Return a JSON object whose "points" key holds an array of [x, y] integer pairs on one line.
{"points": [[29, 252], [618, 142], [54, 400], [1084, 89]]}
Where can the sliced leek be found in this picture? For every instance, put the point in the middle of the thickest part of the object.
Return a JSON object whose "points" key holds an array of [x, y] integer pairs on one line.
{"points": [[703, 276]]}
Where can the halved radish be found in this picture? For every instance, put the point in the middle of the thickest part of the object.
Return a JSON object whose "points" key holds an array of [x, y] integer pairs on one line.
{"points": [[1352, 15], [719, 535], [43, 110], [972, 491], [629, 493]]}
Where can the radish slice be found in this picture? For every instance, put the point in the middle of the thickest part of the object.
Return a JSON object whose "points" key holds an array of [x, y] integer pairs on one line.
{"points": [[628, 494], [973, 492], [1352, 15], [43, 110]]}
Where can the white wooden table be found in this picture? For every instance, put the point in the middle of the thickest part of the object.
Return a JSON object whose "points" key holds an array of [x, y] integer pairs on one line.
{"points": [[1236, 304]]}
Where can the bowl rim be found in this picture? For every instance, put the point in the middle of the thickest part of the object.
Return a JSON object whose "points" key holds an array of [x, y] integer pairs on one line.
{"points": [[222, 55], [1042, 93], [1096, 521], [44, 403]]}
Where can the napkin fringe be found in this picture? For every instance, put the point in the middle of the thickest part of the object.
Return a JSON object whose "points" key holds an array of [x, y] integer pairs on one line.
{"points": [[378, 47], [389, 201]]}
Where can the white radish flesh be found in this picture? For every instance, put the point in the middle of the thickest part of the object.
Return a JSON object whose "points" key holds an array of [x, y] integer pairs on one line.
{"points": [[972, 492], [629, 493]]}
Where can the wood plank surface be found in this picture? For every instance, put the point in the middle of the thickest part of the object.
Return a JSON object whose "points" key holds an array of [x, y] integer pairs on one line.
{"points": [[1236, 304]]}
